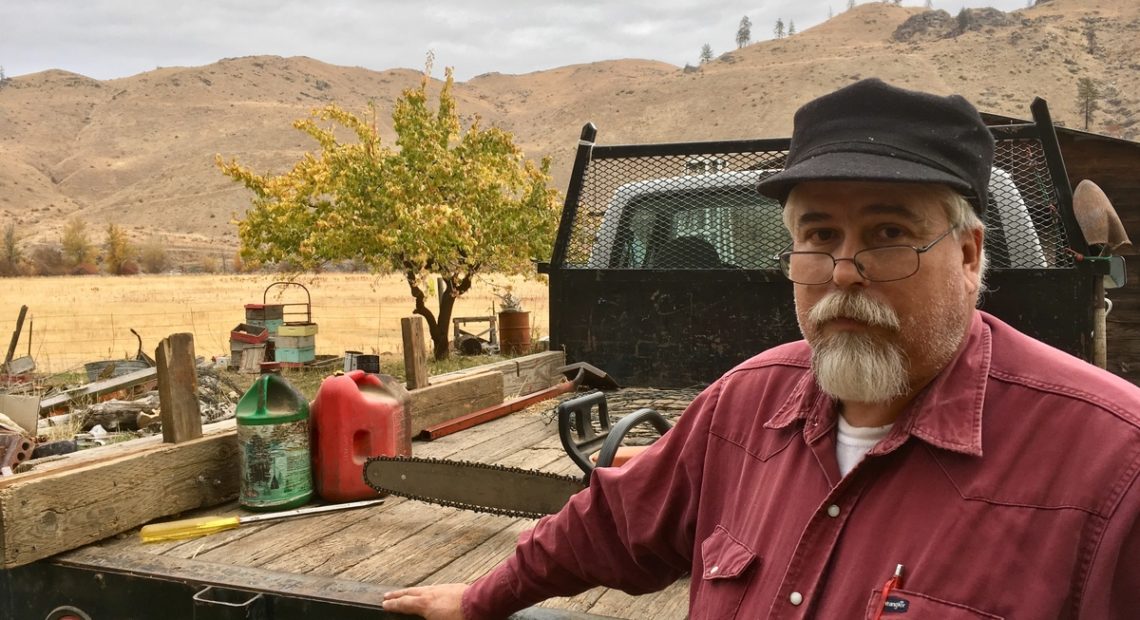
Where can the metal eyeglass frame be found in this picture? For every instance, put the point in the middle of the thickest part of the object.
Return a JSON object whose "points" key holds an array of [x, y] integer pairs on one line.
{"points": [[783, 258]]}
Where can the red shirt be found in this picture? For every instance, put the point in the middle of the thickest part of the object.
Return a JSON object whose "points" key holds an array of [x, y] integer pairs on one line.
{"points": [[1008, 489]]}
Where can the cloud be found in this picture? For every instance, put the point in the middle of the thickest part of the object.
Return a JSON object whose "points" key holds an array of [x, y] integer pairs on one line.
{"points": [[106, 39]]}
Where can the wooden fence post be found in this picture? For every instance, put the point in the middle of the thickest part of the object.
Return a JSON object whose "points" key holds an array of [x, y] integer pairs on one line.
{"points": [[178, 389], [415, 355], [15, 337]]}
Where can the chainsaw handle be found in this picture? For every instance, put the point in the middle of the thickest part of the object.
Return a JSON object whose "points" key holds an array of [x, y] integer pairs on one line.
{"points": [[621, 429], [581, 441]]}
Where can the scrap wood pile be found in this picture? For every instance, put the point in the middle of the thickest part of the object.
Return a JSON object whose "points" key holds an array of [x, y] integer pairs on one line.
{"points": [[217, 399], [87, 424]]}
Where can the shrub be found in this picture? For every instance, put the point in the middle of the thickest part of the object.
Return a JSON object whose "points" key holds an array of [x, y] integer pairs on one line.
{"points": [[85, 269], [47, 260], [153, 257], [129, 268]]}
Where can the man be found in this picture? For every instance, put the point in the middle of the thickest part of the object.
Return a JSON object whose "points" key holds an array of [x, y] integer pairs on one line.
{"points": [[912, 456]]}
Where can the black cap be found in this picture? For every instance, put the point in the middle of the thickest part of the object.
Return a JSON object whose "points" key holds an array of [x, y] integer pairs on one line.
{"points": [[871, 131]]}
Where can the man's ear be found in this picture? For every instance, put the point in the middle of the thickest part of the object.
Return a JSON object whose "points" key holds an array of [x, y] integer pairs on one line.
{"points": [[972, 241]]}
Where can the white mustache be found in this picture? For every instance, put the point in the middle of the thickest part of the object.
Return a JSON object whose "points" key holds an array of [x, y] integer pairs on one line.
{"points": [[855, 306]]}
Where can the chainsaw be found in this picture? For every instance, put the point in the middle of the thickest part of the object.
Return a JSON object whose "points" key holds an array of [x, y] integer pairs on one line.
{"points": [[512, 491]]}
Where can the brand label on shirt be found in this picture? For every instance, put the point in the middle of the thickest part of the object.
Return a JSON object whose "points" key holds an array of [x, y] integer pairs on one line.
{"points": [[896, 605]]}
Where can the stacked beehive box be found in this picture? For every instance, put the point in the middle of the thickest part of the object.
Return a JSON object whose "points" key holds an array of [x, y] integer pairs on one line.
{"points": [[269, 316], [248, 344], [296, 343]]}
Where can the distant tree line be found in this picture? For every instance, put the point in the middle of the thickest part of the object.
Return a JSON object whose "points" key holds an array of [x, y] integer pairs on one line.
{"points": [[744, 35], [77, 254]]}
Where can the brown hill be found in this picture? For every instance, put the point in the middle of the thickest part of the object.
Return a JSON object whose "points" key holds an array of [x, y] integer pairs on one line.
{"points": [[139, 151]]}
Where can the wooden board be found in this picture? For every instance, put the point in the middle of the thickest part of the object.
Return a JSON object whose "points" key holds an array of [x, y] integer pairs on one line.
{"points": [[447, 401], [415, 352], [521, 375], [46, 513], [178, 388], [99, 388]]}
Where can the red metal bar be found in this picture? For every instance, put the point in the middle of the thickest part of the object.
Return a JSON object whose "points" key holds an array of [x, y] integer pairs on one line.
{"points": [[490, 413]]}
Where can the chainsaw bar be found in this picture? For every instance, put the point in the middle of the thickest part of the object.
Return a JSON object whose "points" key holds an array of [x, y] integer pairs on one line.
{"points": [[509, 491]]}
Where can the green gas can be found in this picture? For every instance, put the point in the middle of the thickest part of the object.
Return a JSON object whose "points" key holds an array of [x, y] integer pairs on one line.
{"points": [[273, 442]]}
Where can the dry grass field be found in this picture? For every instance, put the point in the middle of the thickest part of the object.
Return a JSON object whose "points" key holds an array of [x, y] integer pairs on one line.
{"points": [[74, 320]]}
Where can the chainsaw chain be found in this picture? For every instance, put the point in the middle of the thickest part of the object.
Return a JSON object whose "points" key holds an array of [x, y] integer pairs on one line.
{"points": [[458, 465]]}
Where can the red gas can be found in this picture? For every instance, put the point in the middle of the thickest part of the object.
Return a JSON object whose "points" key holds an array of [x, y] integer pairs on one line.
{"points": [[355, 416]]}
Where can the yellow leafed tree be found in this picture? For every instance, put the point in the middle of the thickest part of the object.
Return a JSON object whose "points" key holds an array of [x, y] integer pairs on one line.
{"points": [[446, 201]]}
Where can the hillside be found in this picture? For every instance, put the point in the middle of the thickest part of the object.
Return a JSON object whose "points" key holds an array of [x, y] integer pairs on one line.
{"points": [[139, 151]]}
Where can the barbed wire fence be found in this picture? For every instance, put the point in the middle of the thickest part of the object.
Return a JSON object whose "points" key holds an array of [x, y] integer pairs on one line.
{"points": [[64, 342]]}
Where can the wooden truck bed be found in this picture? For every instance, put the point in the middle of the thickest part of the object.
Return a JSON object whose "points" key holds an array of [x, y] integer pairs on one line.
{"points": [[339, 562]]}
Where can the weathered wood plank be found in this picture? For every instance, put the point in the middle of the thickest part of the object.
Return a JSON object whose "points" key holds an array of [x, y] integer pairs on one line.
{"points": [[178, 389], [452, 534], [492, 451], [451, 444], [355, 543], [477, 561], [521, 375], [41, 515], [668, 604], [41, 467], [98, 388], [15, 338], [447, 401], [415, 352], [284, 544]]}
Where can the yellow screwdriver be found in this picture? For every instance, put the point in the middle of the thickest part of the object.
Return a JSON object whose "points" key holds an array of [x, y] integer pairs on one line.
{"points": [[203, 526]]}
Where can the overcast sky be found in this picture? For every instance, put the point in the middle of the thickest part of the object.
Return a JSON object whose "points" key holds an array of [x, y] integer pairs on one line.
{"points": [[107, 39]]}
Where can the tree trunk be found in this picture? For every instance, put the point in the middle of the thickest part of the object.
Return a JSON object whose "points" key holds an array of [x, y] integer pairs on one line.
{"points": [[451, 287], [440, 332]]}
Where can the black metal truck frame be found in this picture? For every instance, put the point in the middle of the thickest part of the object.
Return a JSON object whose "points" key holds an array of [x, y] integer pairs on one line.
{"points": [[87, 585], [653, 319]]}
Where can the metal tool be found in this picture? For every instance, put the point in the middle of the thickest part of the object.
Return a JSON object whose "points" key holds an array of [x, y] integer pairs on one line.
{"points": [[512, 491], [481, 487], [203, 526]]}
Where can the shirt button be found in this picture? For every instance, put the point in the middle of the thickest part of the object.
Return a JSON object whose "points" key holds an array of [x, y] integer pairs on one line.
{"points": [[796, 598], [833, 511], [714, 570]]}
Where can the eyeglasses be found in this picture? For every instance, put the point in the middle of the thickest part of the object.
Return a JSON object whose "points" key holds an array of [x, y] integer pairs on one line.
{"points": [[882, 264]]}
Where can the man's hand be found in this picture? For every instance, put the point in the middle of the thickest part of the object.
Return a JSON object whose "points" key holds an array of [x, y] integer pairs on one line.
{"points": [[432, 602]]}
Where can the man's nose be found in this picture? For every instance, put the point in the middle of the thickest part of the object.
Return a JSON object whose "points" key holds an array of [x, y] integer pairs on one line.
{"points": [[846, 273]]}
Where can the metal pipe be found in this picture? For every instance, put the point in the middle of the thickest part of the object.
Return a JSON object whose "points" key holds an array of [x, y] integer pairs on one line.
{"points": [[490, 413]]}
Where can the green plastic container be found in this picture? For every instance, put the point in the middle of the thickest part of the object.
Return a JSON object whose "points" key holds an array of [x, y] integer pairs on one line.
{"points": [[273, 441]]}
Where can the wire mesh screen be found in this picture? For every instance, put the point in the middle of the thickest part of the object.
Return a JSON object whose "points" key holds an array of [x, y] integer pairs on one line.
{"points": [[686, 211], [677, 212], [1023, 222]]}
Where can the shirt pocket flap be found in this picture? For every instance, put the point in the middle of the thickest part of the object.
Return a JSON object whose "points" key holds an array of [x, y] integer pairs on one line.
{"points": [[723, 556]]}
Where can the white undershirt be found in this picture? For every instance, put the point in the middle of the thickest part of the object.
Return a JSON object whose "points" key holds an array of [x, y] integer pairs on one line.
{"points": [[854, 442]]}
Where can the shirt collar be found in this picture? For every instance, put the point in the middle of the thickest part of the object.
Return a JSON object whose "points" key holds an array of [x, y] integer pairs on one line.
{"points": [[946, 414]]}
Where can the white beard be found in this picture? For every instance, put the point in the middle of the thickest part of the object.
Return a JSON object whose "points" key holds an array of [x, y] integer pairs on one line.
{"points": [[857, 366], [860, 368]]}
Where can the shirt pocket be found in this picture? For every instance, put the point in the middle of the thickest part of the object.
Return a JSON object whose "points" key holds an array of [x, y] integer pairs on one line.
{"points": [[907, 605], [727, 565]]}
